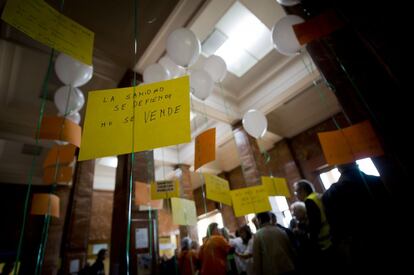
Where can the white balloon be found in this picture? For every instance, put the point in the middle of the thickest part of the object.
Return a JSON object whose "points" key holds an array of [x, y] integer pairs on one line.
{"points": [[288, 3], [169, 65], [183, 47], [75, 117], [76, 99], [216, 67], [255, 123], [72, 72], [283, 36], [155, 73], [201, 84]]}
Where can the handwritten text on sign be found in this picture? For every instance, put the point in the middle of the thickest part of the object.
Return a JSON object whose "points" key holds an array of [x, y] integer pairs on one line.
{"points": [[162, 118], [43, 23], [165, 189], [217, 189], [250, 200]]}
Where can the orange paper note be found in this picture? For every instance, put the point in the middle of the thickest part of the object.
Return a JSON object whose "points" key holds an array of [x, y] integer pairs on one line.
{"points": [[43, 204], [350, 144], [63, 174], [60, 154], [317, 27], [143, 196], [205, 148], [363, 140], [59, 128]]}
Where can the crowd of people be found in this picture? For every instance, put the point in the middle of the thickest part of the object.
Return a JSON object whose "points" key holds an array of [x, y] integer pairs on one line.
{"points": [[338, 232]]}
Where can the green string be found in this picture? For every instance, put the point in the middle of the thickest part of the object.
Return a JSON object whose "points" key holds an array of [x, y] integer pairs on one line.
{"points": [[131, 180], [321, 95], [201, 173], [31, 172], [46, 224], [242, 167]]}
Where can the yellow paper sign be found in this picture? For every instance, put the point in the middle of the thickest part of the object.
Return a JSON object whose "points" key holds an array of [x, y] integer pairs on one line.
{"points": [[162, 118], [43, 23], [350, 144], [184, 211], [59, 128], [205, 148], [250, 200], [63, 174], [363, 140], [276, 186], [281, 187], [60, 154], [269, 185], [165, 189], [43, 204], [142, 196], [217, 189]]}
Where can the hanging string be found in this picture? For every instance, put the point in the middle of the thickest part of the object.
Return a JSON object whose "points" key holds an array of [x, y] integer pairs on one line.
{"points": [[226, 108], [310, 68], [132, 163], [203, 193], [33, 163]]}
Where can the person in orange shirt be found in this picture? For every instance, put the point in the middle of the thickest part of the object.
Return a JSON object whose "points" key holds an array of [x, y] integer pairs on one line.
{"points": [[213, 253], [188, 259]]}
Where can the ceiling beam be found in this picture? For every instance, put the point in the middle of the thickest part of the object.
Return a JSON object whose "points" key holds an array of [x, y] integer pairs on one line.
{"points": [[287, 83]]}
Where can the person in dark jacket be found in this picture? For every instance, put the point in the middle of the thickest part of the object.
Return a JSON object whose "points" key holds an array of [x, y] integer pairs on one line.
{"points": [[356, 207], [98, 268]]}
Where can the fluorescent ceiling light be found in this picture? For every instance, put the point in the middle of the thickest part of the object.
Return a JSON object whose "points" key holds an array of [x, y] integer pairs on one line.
{"points": [[248, 39]]}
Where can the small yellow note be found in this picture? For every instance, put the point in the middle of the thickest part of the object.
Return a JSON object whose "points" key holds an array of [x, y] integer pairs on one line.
{"points": [[43, 23], [281, 187], [60, 154], [276, 186], [162, 118], [217, 189], [205, 148], [165, 189], [250, 200], [43, 203], [60, 128], [269, 185], [350, 144], [63, 174], [143, 198], [184, 211]]}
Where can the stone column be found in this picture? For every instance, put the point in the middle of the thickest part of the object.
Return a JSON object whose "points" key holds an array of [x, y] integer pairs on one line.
{"points": [[252, 161], [143, 170], [186, 192], [76, 234]]}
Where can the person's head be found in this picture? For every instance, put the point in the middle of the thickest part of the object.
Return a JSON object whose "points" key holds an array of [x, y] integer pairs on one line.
{"points": [[225, 233], [255, 222], [194, 245], [102, 254], [342, 168], [213, 229], [245, 233], [303, 188], [263, 218], [185, 243], [298, 209], [273, 219]]}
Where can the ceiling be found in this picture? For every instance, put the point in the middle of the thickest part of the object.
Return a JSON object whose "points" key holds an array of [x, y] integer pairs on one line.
{"points": [[281, 87]]}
